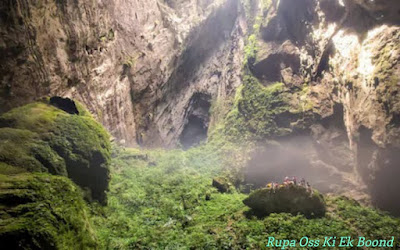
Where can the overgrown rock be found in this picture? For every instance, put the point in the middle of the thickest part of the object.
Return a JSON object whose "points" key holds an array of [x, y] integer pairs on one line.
{"points": [[286, 199], [41, 211], [41, 138], [222, 184]]}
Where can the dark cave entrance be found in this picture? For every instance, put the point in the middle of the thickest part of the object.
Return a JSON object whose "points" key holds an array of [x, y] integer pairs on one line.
{"points": [[197, 121], [65, 104]]}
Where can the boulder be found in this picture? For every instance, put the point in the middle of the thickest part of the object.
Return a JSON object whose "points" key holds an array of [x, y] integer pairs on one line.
{"points": [[222, 184], [39, 137], [42, 211], [286, 199]]}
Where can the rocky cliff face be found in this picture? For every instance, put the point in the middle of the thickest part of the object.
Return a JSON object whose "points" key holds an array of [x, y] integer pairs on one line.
{"points": [[151, 70], [126, 60], [347, 54]]}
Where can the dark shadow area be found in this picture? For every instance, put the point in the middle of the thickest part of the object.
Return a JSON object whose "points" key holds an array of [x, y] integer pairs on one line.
{"points": [[336, 119], [332, 9], [323, 64], [366, 152], [270, 68], [203, 41], [291, 22], [196, 127], [65, 104], [385, 187]]}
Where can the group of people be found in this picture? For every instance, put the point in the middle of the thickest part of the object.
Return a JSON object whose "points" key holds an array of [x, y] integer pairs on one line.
{"points": [[291, 181]]}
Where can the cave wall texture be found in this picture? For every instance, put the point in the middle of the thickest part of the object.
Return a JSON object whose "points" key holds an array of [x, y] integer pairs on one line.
{"points": [[127, 61], [347, 53], [143, 67]]}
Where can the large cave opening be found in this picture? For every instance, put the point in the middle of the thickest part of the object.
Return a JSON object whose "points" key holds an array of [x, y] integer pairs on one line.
{"points": [[197, 121]]}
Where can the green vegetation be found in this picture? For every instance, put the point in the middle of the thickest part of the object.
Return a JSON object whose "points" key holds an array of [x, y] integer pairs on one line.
{"points": [[42, 211], [250, 50], [41, 138], [34, 215], [289, 199], [157, 199], [386, 80], [165, 200], [255, 111]]}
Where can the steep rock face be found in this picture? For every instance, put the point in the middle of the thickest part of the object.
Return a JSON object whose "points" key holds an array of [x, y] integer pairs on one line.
{"points": [[347, 52], [120, 58]]}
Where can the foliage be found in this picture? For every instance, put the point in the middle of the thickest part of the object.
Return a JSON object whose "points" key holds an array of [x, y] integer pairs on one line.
{"points": [[255, 110], [288, 199], [35, 216], [41, 138], [251, 48], [157, 200]]}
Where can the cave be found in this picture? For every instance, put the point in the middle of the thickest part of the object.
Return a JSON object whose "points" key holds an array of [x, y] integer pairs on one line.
{"points": [[65, 104], [197, 121]]}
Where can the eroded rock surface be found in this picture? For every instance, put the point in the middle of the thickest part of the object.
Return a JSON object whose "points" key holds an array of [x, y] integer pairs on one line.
{"points": [[347, 53], [135, 64]]}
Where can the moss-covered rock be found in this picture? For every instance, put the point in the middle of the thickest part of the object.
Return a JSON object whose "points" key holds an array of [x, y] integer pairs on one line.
{"points": [[222, 184], [286, 199], [39, 137], [272, 111], [41, 211]]}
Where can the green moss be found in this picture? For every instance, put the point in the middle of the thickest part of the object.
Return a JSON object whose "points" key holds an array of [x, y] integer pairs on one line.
{"points": [[40, 211], [41, 138], [287, 199], [262, 112], [36, 117], [162, 199], [387, 78], [251, 48], [255, 17], [24, 149], [6, 169], [254, 113]]}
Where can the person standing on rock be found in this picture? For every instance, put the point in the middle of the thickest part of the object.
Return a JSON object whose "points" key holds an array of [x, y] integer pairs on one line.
{"points": [[294, 179], [303, 182], [309, 189]]}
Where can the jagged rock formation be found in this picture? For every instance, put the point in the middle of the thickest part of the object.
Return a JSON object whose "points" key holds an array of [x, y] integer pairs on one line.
{"points": [[347, 53], [151, 70], [127, 61]]}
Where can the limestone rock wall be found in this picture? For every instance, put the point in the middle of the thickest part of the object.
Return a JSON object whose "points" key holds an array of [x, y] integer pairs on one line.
{"points": [[347, 53], [118, 57]]}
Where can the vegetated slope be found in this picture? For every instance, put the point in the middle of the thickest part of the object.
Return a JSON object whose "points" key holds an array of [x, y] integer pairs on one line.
{"points": [[39, 137], [44, 149], [164, 200], [42, 211]]}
